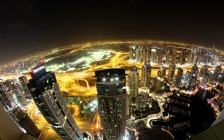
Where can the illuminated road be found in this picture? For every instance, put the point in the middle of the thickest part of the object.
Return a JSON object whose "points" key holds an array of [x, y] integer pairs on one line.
{"points": [[82, 83]]}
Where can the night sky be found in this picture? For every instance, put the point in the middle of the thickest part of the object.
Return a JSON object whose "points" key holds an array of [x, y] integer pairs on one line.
{"points": [[29, 26]]}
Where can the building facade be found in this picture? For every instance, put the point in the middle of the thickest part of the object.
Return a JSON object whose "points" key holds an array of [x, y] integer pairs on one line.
{"points": [[25, 121], [112, 102], [47, 95], [133, 81], [146, 75]]}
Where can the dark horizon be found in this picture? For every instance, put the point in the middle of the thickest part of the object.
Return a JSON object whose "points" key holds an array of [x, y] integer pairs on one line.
{"points": [[29, 27]]}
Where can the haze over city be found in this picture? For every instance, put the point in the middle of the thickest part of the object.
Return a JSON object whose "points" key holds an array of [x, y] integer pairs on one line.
{"points": [[37, 25]]}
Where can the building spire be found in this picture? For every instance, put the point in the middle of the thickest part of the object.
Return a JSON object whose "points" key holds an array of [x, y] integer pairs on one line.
{"points": [[213, 45]]}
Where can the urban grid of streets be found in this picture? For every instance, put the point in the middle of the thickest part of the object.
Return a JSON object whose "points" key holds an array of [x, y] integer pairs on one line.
{"points": [[69, 82]]}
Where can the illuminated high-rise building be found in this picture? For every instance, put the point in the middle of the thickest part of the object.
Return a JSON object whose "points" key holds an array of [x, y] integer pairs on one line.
{"points": [[16, 91], [179, 76], [47, 95], [172, 67], [132, 53], [184, 56], [180, 57], [13, 93], [173, 56], [23, 82], [163, 71], [167, 55], [24, 121], [146, 55], [133, 81], [204, 72], [153, 55], [217, 72], [9, 130], [190, 56], [146, 75], [112, 102], [194, 70], [195, 56], [5, 99], [192, 82], [158, 84], [204, 81], [160, 56], [141, 100], [138, 53]]}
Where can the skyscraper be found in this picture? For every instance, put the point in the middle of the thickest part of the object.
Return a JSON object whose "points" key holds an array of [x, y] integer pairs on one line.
{"points": [[179, 76], [16, 92], [146, 75], [23, 82], [9, 130], [111, 102], [5, 99], [146, 55], [47, 95], [204, 72], [11, 99], [153, 55], [195, 56], [194, 71], [160, 55], [24, 121], [133, 81], [138, 53], [132, 52], [173, 56], [163, 71], [172, 67], [217, 72]]}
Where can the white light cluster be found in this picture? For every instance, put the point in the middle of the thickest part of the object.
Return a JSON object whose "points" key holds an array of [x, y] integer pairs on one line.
{"points": [[38, 69], [104, 79], [112, 79]]}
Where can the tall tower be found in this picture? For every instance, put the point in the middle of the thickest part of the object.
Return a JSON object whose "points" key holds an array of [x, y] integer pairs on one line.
{"points": [[16, 92], [47, 95], [153, 54], [195, 56], [204, 72], [133, 81], [146, 55], [132, 52], [194, 70], [146, 75], [172, 67], [179, 76], [168, 54], [163, 71], [112, 101], [173, 57], [138, 53], [23, 82], [24, 121], [5, 98], [160, 56], [218, 70]]}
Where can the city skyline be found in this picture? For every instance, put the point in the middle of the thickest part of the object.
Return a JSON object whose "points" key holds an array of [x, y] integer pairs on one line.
{"points": [[45, 25], [110, 69], [170, 86]]}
